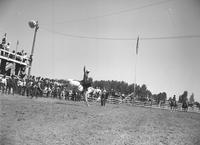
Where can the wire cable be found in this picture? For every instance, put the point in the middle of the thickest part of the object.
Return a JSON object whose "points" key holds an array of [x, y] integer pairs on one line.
{"points": [[116, 13], [121, 39], [87, 37], [171, 37]]}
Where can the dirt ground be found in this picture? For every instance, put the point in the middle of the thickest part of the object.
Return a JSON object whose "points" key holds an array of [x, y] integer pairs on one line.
{"points": [[25, 121]]}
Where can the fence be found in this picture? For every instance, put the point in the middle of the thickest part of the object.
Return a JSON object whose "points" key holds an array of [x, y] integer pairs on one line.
{"points": [[129, 101], [114, 100]]}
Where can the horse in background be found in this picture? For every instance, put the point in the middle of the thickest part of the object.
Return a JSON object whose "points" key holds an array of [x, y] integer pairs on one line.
{"points": [[173, 104], [97, 93], [191, 105], [185, 105]]}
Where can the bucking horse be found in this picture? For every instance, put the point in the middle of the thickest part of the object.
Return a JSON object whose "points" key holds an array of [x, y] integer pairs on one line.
{"points": [[81, 87]]}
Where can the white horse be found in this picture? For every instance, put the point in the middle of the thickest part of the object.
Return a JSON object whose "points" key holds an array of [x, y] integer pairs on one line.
{"points": [[89, 91], [76, 83], [97, 92], [79, 87]]}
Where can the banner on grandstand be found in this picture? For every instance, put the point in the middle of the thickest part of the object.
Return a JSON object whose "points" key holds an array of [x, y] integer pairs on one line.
{"points": [[10, 67]]}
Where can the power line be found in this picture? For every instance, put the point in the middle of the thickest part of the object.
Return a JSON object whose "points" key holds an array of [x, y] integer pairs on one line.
{"points": [[172, 37], [87, 37], [116, 13], [121, 39]]}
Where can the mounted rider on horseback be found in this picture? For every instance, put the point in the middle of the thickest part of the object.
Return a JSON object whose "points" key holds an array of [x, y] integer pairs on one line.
{"points": [[86, 83]]}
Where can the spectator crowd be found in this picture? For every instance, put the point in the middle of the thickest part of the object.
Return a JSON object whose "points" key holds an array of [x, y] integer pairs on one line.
{"points": [[20, 56], [48, 88]]}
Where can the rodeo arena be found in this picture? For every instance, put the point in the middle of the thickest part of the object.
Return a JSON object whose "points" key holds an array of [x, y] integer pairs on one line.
{"points": [[44, 111]]}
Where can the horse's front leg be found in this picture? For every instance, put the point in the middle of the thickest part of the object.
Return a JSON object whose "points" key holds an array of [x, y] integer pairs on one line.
{"points": [[9, 90], [13, 91], [86, 95], [4, 89]]}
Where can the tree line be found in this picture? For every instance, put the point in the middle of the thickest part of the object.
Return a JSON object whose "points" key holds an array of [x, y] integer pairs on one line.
{"points": [[141, 91]]}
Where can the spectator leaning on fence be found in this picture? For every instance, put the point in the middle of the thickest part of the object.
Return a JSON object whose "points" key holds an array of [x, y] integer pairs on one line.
{"points": [[25, 57], [4, 40], [18, 56], [12, 55], [7, 48]]}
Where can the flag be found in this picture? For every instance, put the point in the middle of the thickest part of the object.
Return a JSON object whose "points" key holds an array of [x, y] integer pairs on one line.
{"points": [[8, 66], [137, 45]]}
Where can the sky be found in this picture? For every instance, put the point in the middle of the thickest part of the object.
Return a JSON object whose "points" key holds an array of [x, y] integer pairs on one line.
{"points": [[101, 34]]}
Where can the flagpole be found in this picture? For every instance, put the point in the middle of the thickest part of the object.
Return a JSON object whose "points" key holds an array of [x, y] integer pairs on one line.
{"points": [[135, 75], [16, 48], [135, 84]]}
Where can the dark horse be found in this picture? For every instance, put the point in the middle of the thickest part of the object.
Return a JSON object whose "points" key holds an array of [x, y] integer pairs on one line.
{"points": [[173, 104], [185, 106]]}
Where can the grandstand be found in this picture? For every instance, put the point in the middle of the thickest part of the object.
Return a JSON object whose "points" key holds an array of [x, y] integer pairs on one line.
{"points": [[13, 63]]}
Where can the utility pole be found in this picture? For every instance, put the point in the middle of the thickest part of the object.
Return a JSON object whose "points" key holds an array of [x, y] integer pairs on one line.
{"points": [[32, 25]]}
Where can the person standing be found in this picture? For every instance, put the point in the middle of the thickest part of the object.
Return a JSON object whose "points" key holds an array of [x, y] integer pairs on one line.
{"points": [[3, 43], [4, 84], [103, 97], [85, 75], [4, 39]]}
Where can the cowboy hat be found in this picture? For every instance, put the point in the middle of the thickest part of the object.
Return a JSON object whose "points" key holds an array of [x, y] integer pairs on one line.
{"points": [[87, 70]]}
